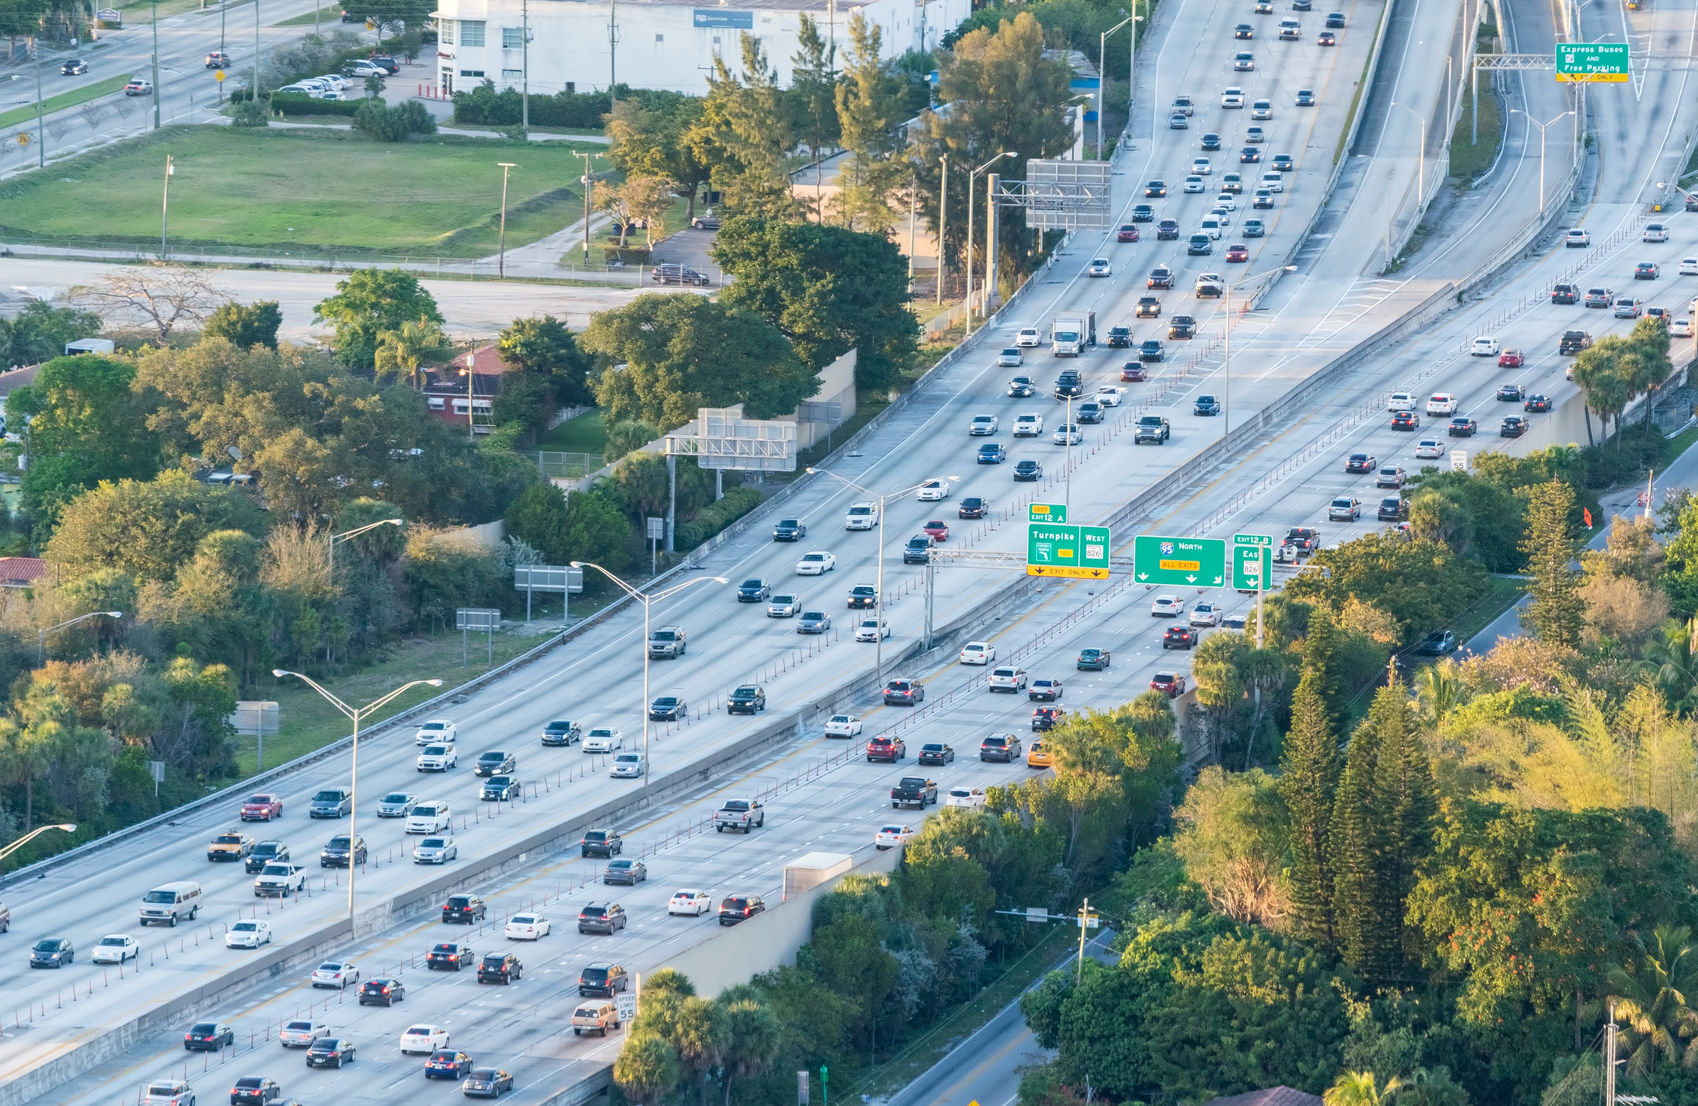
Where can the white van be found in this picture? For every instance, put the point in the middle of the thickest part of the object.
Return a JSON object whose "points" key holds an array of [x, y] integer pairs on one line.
{"points": [[861, 516], [171, 903]]}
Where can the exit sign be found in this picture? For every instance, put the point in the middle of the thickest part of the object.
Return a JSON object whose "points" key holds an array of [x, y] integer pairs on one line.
{"points": [[1591, 61]]}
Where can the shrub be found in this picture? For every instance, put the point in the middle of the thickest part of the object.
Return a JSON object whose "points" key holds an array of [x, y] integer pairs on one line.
{"points": [[736, 503], [393, 124]]}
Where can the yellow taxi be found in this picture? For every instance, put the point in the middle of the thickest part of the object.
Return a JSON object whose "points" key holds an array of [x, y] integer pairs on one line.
{"points": [[1039, 756]]}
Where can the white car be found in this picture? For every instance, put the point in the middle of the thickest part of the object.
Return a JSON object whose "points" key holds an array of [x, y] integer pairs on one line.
{"points": [[435, 850], [1010, 358], [1401, 401], [689, 901], [1273, 182], [982, 426], [978, 652], [249, 934], [363, 69], [301, 1034], [1655, 232], [1067, 434], [627, 766], [1680, 328], [1099, 267], [115, 948], [1194, 184], [527, 927], [1483, 347], [1205, 614], [334, 80], [435, 731], [932, 491], [1232, 98], [337, 974], [603, 741], [1441, 403], [438, 758], [888, 837], [1689, 266], [968, 798], [1201, 166], [423, 1038], [843, 725], [430, 817], [1167, 606], [1007, 678], [1225, 200], [817, 563], [1576, 238], [1429, 448], [1028, 426], [280, 881], [1027, 338], [1110, 395], [872, 629]]}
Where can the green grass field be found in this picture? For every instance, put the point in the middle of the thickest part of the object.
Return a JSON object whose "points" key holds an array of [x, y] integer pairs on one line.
{"points": [[64, 100], [288, 191]]}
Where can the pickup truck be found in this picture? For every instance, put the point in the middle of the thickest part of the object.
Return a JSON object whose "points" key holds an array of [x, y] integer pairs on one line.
{"points": [[914, 791], [1151, 428], [1573, 341], [739, 814]]}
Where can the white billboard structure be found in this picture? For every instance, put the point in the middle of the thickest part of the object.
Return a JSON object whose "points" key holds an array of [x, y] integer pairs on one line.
{"points": [[723, 439]]}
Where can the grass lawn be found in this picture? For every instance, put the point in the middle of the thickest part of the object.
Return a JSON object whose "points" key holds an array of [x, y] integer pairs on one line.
{"points": [[584, 434], [64, 100], [326, 16], [1469, 160], [311, 190]]}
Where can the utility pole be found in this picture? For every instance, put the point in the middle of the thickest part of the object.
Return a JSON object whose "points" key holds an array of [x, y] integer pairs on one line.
{"points": [[156, 64], [942, 223], [588, 184], [525, 65], [1609, 1059], [40, 123], [501, 248], [613, 58], [253, 90], [165, 212]]}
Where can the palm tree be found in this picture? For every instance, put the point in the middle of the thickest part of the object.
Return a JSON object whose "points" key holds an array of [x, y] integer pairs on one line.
{"points": [[1359, 1088], [403, 352], [1671, 660], [1650, 999], [1438, 691]]}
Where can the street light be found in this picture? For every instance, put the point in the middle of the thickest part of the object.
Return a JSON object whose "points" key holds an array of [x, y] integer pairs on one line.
{"points": [[878, 586], [165, 209], [68, 827], [1102, 74], [41, 637], [355, 715], [354, 533], [970, 178], [647, 600], [1535, 123], [501, 248], [1420, 156], [156, 64], [1226, 378], [942, 213]]}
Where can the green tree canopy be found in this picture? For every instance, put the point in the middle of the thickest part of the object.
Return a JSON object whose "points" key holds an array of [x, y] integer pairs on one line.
{"points": [[39, 332], [369, 302], [245, 324], [148, 529]]}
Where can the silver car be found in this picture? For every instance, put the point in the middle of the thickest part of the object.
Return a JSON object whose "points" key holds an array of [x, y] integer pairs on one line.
{"points": [[435, 850]]}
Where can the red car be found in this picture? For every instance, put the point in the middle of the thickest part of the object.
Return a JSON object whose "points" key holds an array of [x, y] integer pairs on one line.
{"points": [[1511, 359], [1238, 252], [1404, 420], [1132, 373], [1128, 232], [262, 808], [1179, 637], [1170, 684], [936, 529], [892, 749]]}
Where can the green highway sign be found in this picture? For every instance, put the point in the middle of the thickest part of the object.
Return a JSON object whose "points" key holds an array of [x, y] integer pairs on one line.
{"points": [[1080, 552], [1047, 512], [1252, 539], [1250, 564], [1197, 561], [1591, 61]]}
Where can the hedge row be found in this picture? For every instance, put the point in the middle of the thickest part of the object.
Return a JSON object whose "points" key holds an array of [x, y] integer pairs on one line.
{"points": [[484, 106], [734, 505]]}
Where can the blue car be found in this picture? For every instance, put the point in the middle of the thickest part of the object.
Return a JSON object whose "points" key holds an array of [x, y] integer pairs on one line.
{"points": [[992, 454]]}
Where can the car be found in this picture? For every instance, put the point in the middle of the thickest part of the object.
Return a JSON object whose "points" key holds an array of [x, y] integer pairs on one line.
{"points": [[435, 731], [746, 699], [437, 758], [1143, 213], [629, 766], [1263, 201], [1155, 189], [1326, 38], [1206, 406], [526, 927], [487, 1083], [689, 901], [1599, 297], [1345, 508], [1090, 412], [1119, 337], [888, 837], [1654, 232], [1513, 426], [973, 506], [1305, 98], [230, 846], [753, 590], [740, 908], [978, 652], [1152, 428], [1688, 265], [1290, 30], [1238, 252], [422, 1038], [603, 739], [1441, 403], [1564, 293], [932, 491], [1335, 20], [1209, 286], [75, 67], [936, 753], [1681, 328], [1232, 98], [248, 934], [1160, 277], [262, 807], [1283, 163], [330, 1052], [782, 606], [209, 1037], [364, 67], [1007, 678], [872, 630], [1392, 509], [1110, 395], [1480, 347], [335, 974], [669, 708], [396, 804], [936, 529], [1021, 387], [601, 917], [1254, 228], [1661, 314], [1243, 30], [1028, 471], [625, 870], [817, 563], [1390, 476], [1168, 683], [966, 798], [1045, 719], [789, 529], [1179, 637], [1027, 337], [1093, 660], [436, 850], [863, 597], [279, 881], [1194, 185], [982, 426], [1004, 747], [1359, 463], [255, 1090], [382, 992], [991, 453], [115, 948], [1067, 434], [1128, 232], [1183, 105], [466, 909], [1039, 756], [1271, 182], [301, 1033], [1011, 358], [1181, 328], [1133, 373], [429, 817], [1204, 614], [1044, 691], [449, 956], [1167, 606], [1429, 448], [1211, 142], [1536, 403], [890, 749], [1099, 267], [1577, 238], [1148, 307], [448, 1063], [1167, 230], [139, 87], [673, 272], [1437, 644], [1646, 270], [1461, 427], [1261, 109], [813, 622], [495, 762], [904, 692], [1199, 245]]}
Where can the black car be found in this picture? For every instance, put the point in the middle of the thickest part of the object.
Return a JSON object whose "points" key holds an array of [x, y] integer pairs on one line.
{"points": [[252, 1090], [1119, 337], [464, 908], [382, 992], [494, 763], [209, 1037], [1335, 20], [1155, 190], [1211, 141], [1167, 230], [1142, 213], [1160, 277], [1021, 387], [972, 507], [1359, 463], [562, 732], [1151, 350], [266, 852], [1249, 155], [76, 67], [1537, 402], [330, 1052], [747, 699], [918, 550], [601, 917], [789, 529], [1461, 427], [52, 952], [342, 851], [1181, 327], [668, 708], [740, 908], [1045, 718], [1206, 406], [601, 842], [674, 273], [936, 752], [1149, 307], [1513, 427], [449, 956], [603, 981], [486, 1083], [1391, 509], [500, 789], [499, 967], [1510, 393], [753, 591], [1028, 471]]}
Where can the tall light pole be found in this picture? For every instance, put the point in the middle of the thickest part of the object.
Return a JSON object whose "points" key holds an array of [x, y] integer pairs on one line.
{"points": [[1226, 372], [165, 211], [41, 636], [155, 64], [501, 254], [589, 183], [354, 533], [525, 65], [253, 92], [1102, 76], [68, 827], [970, 178], [942, 219], [878, 585], [1420, 156], [40, 116], [1535, 123], [356, 715], [648, 600]]}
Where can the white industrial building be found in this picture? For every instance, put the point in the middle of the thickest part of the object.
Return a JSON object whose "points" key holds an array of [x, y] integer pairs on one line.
{"points": [[584, 45]]}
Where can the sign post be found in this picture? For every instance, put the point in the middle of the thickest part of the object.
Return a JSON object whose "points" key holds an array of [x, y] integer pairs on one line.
{"points": [[1591, 62], [1197, 562], [1251, 565]]}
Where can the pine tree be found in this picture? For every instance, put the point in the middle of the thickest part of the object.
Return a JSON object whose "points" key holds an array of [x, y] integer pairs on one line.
{"points": [[1555, 613], [812, 95], [1308, 781], [1356, 848], [869, 110], [744, 136], [1320, 646]]}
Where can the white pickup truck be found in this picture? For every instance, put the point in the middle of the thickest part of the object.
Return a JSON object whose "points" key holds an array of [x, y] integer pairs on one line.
{"points": [[739, 814]]}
